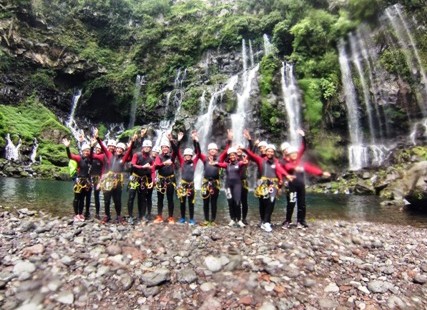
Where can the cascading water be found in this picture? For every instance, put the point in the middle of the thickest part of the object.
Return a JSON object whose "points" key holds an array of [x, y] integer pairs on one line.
{"points": [[203, 125], [268, 47], [248, 76], [292, 97], [34, 150], [407, 42], [71, 124], [357, 152], [368, 56], [12, 151], [356, 59], [139, 82], [173, 106]]}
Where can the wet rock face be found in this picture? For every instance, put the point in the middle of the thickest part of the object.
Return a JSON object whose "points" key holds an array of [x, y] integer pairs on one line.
{"points": [[52, 263]]}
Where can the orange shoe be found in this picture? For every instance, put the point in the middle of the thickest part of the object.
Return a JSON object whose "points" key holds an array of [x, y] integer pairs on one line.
{"points": [[158, 219], [171, 220]]}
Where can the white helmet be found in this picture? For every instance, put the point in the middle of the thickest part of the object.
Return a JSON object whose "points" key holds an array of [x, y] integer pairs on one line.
{"points": [[291, 149], [85, 146], [188, 151], [231, 150], [262, 143], [270, 146], [212, 146], [111, 143], [147, 143], [284, 146], [156, 149], [121, 145], [165, 143]]}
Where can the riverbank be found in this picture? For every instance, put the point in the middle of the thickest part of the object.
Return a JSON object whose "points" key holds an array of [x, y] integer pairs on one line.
{"points": [[50, 263]]}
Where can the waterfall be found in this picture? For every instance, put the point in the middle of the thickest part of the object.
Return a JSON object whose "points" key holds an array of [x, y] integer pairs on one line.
{"points": [[139, 81], [248, 76], [419, 129], [164, 127], [203, 125], [12, 151], [114, 129], [244, 56], [357, 152], [356, 59], [34, 150], [71, 124], [173, 106], [407, 42], [292, 98], [362, 37], [268, 47], [251, 54]]}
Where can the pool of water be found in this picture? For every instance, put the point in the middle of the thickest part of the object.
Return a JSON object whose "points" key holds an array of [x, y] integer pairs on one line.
{"points": [[56, 198]]}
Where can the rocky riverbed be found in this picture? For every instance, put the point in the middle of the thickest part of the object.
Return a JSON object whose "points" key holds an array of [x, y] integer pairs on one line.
{"points": [[52, 263]]}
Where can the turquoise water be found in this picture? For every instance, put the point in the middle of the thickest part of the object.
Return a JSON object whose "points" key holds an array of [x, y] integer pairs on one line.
{"points": [[56, 197]]}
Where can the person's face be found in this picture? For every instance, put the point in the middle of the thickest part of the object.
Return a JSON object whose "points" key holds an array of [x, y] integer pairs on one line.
{"points": [[154, 154], [293, 156], [165, 149], [232, 156], [146, 149], [86, 152], [269, 153], [119, 150], [111, 148], [98, 150], [187, 157], [213, 152], [262, 149]]}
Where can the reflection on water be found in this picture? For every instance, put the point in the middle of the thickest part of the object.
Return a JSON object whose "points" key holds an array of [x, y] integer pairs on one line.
{"points": [[56, 197]]}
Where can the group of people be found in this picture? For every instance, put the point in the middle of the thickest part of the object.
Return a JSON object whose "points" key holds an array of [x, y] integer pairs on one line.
{"points": [[170, 171]]}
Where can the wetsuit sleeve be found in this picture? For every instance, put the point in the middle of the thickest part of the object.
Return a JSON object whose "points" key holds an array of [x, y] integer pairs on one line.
{"points": [[198, 150], [223, 155], [180, 158], [128, 153], [77, 158], [255, 158], [312, 169], [302, 147], [104, 149], [280, 169], [196, 159], [250, 144], [158, 163], [134, 160], [221, 165]]}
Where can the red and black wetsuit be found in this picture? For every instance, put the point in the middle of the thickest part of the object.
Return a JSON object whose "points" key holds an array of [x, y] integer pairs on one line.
{"points": [[234, 171], [141, 184], [113, 169], [210, 185], [186, 187], [82, 184], [271, 173], [166, 180]]}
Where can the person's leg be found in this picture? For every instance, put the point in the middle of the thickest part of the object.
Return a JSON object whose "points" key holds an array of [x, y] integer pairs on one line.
{"points": [[131, 199], [107, 202]]}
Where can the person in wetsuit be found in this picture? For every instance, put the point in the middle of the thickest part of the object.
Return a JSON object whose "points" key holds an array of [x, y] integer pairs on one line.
{"points": [[82, 183], [141, 182], [165, 184], [113, 178], [185, 189]]}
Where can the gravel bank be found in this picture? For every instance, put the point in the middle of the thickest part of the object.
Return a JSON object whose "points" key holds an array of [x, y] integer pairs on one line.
{"points": [[53, 263]]}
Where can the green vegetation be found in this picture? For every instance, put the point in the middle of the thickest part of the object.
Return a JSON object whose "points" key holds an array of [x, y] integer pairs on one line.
{"points": [[100, 46], [32, 120]]}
